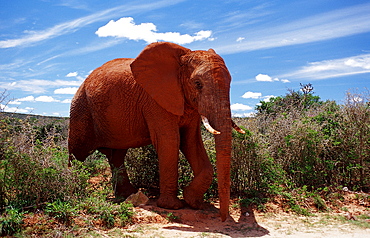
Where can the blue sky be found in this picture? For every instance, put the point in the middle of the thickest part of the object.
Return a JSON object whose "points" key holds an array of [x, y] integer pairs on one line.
{"points": [[48, 47]]}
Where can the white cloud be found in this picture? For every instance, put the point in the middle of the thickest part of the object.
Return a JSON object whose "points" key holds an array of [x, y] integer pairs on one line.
{"points": [[15, 102], [267, 98], [359, 64], [240, 107], [245, 114], [267, 78], [32, 37], [239, 110], [67, 101], [38, 85], [27, 99], [46, 99], [72, 74], [263, 78], [362, 61], [81, 5], [325, 26], [33, 99], [240, 39], [126, 28], [356, 99], [20, 100], [252, 95], [69, 90], [37, 36], [6, 108]]}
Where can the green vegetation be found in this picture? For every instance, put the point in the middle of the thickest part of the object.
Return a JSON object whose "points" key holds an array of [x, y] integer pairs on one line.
{"points": [[299, 147], [36, 182], [11, 221], [298, 151]]}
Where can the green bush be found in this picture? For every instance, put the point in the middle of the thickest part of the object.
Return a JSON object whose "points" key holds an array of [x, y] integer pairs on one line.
{"points": [[63, 211], [142, 167], [293, 144], [33, 172], [111, 214], [11, 222], [32, 181], [322, 145]]}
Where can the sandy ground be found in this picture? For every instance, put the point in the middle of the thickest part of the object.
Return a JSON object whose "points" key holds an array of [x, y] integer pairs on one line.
{"points": [[151, 221]]}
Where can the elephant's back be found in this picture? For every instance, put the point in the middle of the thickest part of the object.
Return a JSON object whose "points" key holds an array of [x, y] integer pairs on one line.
{"points": [[107, 75], [110, 83]]}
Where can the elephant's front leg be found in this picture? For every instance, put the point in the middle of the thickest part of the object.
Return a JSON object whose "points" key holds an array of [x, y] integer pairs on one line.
{"points": [[167, 146], [194, 151]]}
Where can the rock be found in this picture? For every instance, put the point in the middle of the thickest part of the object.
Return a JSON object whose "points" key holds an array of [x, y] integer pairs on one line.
{"points": [[349, 216], [137, 199]]}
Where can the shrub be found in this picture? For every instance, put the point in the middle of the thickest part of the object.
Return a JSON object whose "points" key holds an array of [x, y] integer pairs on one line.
{"points": [[252, 170], [355, 134], [142, 167], [11, 222], [63, 211], [32, 181], [110, 214], [321, 145], [33, 172]]}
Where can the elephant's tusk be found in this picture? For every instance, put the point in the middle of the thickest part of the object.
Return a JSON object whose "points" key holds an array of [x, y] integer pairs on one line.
{"points": [[238, 129], [208, 126]]}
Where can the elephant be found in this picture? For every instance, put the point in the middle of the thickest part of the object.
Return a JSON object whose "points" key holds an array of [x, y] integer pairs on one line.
{"points": [[158, 98]]}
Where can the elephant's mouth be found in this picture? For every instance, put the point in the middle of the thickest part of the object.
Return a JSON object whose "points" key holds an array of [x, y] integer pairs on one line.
{"points": [[216, 132]]}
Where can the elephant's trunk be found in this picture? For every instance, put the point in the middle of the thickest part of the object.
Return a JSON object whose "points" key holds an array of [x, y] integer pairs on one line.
{"points": [[220, 120], [223, 158]]}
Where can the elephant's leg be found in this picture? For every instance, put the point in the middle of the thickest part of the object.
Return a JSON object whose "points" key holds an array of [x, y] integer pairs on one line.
{"points": [[167, 148], [120, 180], [81, 138], [193, 149]]}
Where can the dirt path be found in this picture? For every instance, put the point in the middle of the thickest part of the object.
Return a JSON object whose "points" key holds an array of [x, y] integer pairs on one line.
{"points": [[151, 221]]}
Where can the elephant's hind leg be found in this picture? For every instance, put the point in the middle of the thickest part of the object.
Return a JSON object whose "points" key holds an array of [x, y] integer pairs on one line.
{"points": [[120, 180]]}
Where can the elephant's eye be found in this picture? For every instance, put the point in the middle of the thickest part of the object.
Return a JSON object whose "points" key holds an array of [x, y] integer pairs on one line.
{"points": [[198, 84]]}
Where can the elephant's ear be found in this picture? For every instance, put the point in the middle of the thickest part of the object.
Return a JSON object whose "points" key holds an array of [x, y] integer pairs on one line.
{"points": [[156, 69]]}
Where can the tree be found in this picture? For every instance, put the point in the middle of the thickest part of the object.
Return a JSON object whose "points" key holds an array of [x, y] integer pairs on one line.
{"points": [[3, 100], [294, 100]]}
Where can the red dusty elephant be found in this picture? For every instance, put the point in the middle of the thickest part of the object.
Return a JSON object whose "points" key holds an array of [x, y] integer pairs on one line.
{"points": [[158, 98]]}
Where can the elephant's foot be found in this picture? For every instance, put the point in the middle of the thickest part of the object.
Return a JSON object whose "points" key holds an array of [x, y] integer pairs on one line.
{"points": [[123, 193], [195, 200], [170, 202]]}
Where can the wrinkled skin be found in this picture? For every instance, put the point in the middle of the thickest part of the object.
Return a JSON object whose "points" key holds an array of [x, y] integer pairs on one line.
{"points": [[157, 98]]}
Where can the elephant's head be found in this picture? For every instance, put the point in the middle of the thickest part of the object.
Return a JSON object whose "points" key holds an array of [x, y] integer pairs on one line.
{"points": [[175, 76]]}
